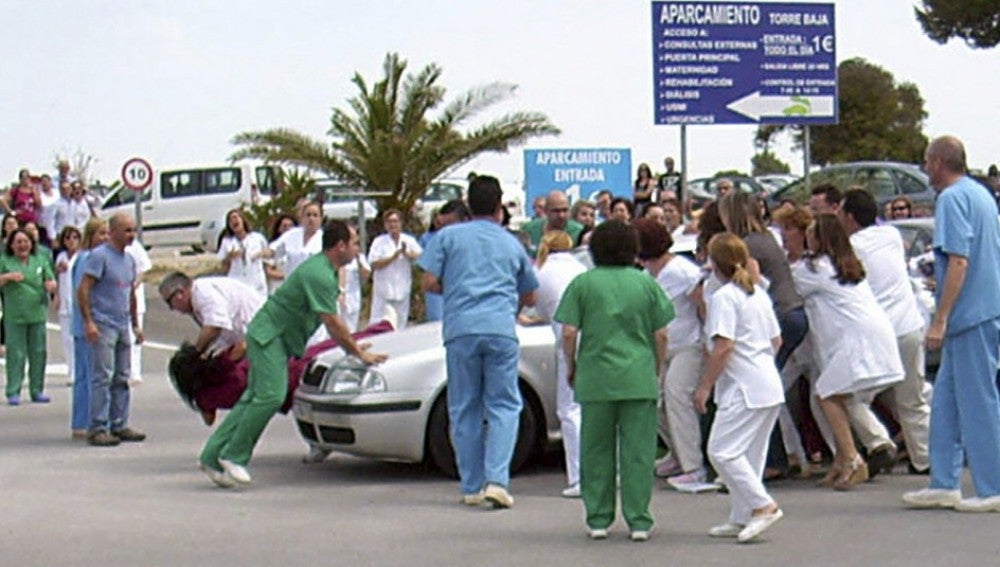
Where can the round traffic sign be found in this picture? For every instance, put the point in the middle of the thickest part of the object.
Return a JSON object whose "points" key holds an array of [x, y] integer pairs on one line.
{"points": [[137, 174]]}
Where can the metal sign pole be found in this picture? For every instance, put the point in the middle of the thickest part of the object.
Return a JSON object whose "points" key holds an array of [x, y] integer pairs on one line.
{"points": [[682, 184], [138, 217], [806, 157]]}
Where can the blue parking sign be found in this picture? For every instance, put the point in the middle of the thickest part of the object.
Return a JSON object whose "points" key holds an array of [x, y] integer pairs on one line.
{"points": [[579, 172]]}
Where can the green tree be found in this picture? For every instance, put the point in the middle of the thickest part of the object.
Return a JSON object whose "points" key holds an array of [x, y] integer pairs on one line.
{"points": [[766, 162], [879, 120], [294, 186], [387, 139], [976, 22]]}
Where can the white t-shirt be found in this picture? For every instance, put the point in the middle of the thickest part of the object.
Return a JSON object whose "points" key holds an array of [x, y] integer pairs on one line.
{"points": [[555, 275], [142, 265], [225, 303], [678, 279], [48, 215], [248, 267], [64, 280], [292, 247], [748, 321], [352, 283], [881, 250], [393, 281]]}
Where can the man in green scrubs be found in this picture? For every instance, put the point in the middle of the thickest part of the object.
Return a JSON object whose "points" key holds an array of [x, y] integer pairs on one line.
{"points": [[280, 329], [556, 218], [620, 315]]}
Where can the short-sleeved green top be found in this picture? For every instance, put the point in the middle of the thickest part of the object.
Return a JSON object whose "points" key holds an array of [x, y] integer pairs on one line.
{"points": [[536, 229], [617, 310], [292, 313], [26, 301]]}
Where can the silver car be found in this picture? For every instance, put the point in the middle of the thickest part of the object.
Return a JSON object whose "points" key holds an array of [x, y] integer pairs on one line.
{"points": [[397, 411]]}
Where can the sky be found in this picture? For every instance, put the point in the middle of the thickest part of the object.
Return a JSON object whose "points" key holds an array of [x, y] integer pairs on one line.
{"points": [[174, 80]]}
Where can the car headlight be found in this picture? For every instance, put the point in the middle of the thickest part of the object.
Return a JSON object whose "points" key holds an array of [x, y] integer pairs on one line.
{"points": [[349, 375]]}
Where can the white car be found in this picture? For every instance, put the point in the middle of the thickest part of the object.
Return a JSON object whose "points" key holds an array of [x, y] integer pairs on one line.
{"points": [[397, 411]]}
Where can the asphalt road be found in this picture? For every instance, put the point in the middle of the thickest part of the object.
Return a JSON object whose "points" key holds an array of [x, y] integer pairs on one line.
{"points": [[65, 503]]}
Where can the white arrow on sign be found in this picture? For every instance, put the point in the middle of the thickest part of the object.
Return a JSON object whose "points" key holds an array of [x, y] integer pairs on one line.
{"points": [[754, 106]]}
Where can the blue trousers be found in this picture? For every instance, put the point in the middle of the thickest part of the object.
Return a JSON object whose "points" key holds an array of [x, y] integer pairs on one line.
{"points": [[110, 363], [965, 411], [482, 386], [81, 384]]}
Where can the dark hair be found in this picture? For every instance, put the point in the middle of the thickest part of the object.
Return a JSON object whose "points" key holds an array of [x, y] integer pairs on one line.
{"points": [[9, 248], [65, 232], [638, 172], [4, 222], [226, 231], [654, 238], [709, 224], [628, 205], [485, 195], [861, 205], [277, 223], [829, 191], [335, 232], [604, 192], [456, 206], [614, 243], [834, 243], [188, 370]]}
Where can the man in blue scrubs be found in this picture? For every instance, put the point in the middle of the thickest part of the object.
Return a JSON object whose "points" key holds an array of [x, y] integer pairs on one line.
{"points": [[965, 410], [483, 272]]}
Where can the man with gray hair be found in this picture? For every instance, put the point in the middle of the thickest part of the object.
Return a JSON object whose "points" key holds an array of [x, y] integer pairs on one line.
{"points": [[965, 409], [221, 306]]}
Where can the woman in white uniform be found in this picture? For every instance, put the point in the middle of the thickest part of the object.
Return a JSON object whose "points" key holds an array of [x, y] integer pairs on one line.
{"points": [[392, 255], [69, 244], [241, 252], [744, 337], [142, 265], [678, 420], [855, 342], [556, 268], [352, 277], [297, 244]]}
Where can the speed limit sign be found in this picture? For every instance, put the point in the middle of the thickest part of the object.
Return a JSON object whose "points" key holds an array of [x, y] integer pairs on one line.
{"points": [[137, 174]]}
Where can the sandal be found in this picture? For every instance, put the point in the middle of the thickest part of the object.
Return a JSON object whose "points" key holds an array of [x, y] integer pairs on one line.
{"points": [[855, 473]]}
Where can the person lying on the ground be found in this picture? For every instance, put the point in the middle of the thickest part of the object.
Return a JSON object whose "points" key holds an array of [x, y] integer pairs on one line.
{"points": [[208, 384]]}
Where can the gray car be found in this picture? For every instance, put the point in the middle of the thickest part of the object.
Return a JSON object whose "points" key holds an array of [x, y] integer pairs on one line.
{"points": [[885, 181], [397, 411]]}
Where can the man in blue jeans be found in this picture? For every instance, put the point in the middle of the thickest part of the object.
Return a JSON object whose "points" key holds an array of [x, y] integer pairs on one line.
{"points": [[107, 302], [483, 272]]}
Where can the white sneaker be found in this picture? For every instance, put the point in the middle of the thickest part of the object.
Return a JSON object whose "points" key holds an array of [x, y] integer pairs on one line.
{"points": [[571, 491], [236, 472], [726, 530], [932, 498], [218, 478], [758, 525], [639, 535], [976, 504], [474, 499], [498, 496], [598, 533]]}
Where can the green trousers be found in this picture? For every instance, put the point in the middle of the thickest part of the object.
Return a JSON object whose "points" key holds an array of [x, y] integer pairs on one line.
{"points": [[267, 385], [25, 342], [617, 438]]}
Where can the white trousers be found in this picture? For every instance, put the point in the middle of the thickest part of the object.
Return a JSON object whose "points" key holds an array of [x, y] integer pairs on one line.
{"points": [[910, 399], [568, 411], [66, 331], [401, 307], [135, 352], [679, 424], [737, 448]]}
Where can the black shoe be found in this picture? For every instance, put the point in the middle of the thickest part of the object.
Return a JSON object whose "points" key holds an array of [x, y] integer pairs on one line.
{"points": [[881, 459], [910, 469], [102, 438], [129, 435]]}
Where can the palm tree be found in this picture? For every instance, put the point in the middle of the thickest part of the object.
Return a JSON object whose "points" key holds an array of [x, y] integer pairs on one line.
{"points": [[387, 140]]}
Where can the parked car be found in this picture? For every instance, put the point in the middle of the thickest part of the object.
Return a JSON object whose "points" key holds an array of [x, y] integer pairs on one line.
{"points": [[775, 181], [883, 179], [700, 192], [341, 201], [186, 206], [918, 237], [397, 411]]}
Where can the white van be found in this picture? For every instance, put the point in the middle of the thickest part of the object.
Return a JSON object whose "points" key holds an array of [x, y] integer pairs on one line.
{"points": [[187, 206]]}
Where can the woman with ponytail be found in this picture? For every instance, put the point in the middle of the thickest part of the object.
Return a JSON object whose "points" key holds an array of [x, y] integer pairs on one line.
{"points": [[856, 344], [744, 336]]}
